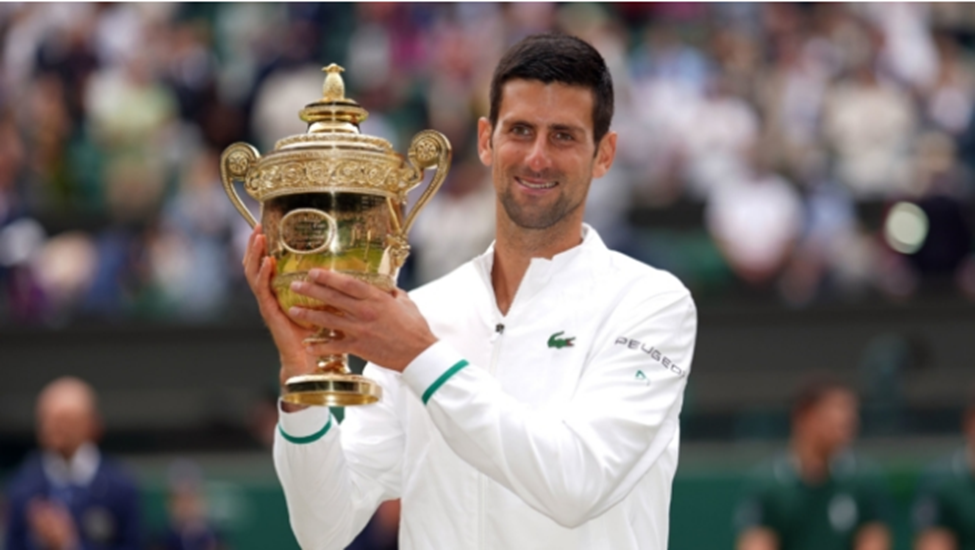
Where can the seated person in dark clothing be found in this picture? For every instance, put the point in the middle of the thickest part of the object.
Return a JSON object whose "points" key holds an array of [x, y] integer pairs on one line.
{"points": [[189, 527], [68, 496], [817, 494], [944, 513]]}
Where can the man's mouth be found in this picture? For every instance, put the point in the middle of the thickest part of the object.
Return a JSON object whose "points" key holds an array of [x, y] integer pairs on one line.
{"points": [[536, 184]]}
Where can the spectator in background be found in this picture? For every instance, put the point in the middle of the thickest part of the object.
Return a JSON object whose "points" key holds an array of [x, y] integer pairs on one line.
{"points": [[870, 123], [817, 495], [69, 496], [755, 220], [108, 106], [724, 129], [189, 526], [944, 513]]}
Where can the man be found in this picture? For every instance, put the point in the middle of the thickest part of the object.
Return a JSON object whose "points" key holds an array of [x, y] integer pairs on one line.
{"points": [[531, 397], [944, 514], [818, 495], [189, 526], [69, 496]]}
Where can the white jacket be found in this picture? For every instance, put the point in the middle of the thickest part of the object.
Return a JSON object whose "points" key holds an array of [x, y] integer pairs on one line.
{"points": [[554, 426]]}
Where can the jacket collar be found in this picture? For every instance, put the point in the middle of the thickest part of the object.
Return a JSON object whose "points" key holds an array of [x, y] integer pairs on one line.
{"points": [[571, 263], [79, 470]]}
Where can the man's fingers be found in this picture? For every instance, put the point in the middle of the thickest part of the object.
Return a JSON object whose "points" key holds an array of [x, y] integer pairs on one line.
{"points": [[262, 288], [330, 296], [321, 318], [250, 244], [254, 255], [263, 278], [343, 283]]}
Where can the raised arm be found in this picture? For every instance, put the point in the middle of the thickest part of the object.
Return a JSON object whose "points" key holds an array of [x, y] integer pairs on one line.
{"points": [[333, 479]]}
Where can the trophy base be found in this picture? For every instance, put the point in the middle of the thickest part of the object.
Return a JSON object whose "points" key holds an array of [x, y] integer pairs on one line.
{"points": [[332, 390]]}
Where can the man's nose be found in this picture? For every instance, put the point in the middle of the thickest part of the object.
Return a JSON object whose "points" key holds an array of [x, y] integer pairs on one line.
{"points": [[538, 158]]}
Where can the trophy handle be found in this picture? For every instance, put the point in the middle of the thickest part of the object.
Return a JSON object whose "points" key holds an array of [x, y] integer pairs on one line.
{"points": [[428, 149], [235, 162]]}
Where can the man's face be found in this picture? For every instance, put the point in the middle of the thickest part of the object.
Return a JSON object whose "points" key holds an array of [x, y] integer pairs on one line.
{"points": [[834, 420], [65, 422], [542, 154]]}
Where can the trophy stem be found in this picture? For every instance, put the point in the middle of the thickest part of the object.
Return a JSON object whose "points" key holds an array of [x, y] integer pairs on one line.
{"points": [[332, 384], [336, 363]]}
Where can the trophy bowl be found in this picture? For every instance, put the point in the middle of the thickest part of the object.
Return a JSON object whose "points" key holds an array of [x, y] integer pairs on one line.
{"points": [[334, 198]]}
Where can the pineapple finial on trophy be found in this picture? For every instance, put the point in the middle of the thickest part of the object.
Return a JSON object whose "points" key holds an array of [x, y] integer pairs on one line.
{"points": [[333, 112], [334, 87]]}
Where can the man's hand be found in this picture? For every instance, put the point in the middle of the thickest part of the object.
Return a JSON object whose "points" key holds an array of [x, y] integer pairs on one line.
{"points": [[287, 335], [385, 328], [52, 524]]}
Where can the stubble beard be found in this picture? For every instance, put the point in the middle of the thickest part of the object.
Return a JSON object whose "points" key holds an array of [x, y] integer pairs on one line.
{"points": [[541, 217]]}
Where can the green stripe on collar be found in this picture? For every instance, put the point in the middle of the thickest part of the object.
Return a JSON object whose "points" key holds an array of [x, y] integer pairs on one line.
{"points": [[308, 438], [443, 378]]}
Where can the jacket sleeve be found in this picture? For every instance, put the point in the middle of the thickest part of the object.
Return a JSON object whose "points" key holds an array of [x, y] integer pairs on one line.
{"points": [[335, 477], [572, 462]]}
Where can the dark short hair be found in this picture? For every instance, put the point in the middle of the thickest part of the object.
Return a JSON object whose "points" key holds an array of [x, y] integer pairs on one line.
{"points": [[554, 57], [814, 390]]}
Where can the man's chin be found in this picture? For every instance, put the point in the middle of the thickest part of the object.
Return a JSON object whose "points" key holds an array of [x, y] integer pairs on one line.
{"points": [[530, 220]]}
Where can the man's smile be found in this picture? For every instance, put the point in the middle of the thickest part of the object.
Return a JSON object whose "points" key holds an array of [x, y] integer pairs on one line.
{"points": [[536, 184]]}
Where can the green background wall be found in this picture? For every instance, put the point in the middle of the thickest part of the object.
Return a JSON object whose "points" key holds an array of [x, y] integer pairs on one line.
{"points": [[251, 508]]}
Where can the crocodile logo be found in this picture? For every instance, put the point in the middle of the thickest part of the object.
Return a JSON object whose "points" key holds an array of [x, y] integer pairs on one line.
{"points": [[558, 343]]}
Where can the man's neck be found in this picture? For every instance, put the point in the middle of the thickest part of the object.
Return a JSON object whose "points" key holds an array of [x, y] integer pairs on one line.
{"points": [[514, 249], [811, 461]]}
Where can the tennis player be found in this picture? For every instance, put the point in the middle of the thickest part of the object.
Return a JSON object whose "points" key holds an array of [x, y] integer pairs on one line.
{"points": [[532, 396]]}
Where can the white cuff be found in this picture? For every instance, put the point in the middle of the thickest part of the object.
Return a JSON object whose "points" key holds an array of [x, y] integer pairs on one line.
{"points": [[304, 426], [434, 366]]}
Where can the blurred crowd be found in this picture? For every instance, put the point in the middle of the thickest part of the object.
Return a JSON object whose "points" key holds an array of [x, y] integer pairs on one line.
{"points": [[812, 153], [817, 492], [68, 495]]}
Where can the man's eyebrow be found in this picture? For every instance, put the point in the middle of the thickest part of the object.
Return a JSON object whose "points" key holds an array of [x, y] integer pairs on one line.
{"points": [[558, 127], [516, 122], [567, 128]]}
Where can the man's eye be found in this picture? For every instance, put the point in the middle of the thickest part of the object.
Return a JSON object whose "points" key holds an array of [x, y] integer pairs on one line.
{"points": [[563, 136], [520, 130]]}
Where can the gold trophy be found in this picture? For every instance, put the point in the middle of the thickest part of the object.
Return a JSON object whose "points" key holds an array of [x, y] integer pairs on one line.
{"points": [[335, 199]]}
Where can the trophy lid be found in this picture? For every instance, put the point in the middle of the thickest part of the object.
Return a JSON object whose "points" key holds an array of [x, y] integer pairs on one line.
{"points": [[333, 155], [334, 111]]}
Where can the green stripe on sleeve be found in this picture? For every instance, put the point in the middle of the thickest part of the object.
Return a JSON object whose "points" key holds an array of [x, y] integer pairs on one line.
{"points": [[308, 438], [443, 378]]}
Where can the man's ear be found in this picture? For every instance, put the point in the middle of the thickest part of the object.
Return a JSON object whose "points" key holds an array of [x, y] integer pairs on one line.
{"points": [[484, 150], [605, 153]]}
